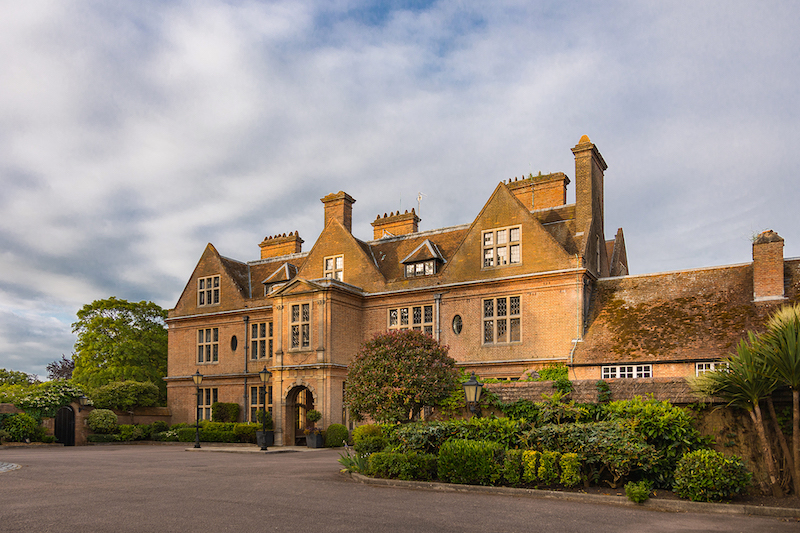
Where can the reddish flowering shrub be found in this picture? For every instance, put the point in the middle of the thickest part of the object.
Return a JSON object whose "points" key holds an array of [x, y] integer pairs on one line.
{"points": [[396, 374]]}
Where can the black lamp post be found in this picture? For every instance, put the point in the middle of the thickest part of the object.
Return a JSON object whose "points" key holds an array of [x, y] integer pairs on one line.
{"points": [[198, 379], [264, 375], [472, 392]]}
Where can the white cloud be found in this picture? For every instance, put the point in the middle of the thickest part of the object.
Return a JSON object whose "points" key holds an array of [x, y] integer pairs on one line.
{"points": [[132, 135]]}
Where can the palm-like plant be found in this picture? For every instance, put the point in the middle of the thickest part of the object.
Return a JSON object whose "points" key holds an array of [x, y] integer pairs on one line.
{"points": [[781, 349], [744, 383]]}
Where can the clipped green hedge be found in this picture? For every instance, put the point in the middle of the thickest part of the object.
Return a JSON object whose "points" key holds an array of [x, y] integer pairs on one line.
{"points": [[707, 476], [224, 412], [470, 462], [102, 421], [428, 437], [207, 435], [103, 437], [407, 466], [246, 432]]}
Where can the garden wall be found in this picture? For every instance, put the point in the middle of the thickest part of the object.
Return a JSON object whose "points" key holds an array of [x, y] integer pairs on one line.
{"points": [[676, 390]]}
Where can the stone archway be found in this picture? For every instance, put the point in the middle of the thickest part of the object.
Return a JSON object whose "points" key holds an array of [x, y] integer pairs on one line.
{"points": [[299, 401]]}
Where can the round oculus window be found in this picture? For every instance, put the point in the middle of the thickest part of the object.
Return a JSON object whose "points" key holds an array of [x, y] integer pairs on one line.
{"points": [[234, 343], [457, 324]]}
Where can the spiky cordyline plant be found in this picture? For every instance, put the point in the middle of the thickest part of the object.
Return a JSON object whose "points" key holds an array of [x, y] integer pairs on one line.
{"points": [[744, 383], [781, 349]]}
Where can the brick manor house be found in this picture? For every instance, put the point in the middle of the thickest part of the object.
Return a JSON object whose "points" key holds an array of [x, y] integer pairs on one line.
{"points": [[530, 281]]}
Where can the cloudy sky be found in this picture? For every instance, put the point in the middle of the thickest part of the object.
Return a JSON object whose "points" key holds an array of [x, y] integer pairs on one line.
{"points": [[133, 133]]}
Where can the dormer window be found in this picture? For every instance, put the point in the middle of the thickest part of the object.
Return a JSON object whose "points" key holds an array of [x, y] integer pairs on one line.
{"points": [[208, 290], [423, 268], [334, 267], [425, 260]]}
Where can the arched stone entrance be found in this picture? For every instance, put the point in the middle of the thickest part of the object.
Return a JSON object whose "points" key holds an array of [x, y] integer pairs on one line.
{"points": [[299, 401], [64, 428]]}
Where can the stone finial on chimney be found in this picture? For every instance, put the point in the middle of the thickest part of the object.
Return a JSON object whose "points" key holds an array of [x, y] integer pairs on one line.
{"points": [[339, 206], [768, 267], [281, 245], [395, 224]]}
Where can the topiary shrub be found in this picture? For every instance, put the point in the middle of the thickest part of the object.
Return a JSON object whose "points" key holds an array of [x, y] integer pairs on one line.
{"points": [[371, 444], [264, 418], [102, 421], [570, 469], [707, 475], [638, 491], [336, 436], [224, 412], [471, 462], [548, 467], [530, 466], [21, 427]]}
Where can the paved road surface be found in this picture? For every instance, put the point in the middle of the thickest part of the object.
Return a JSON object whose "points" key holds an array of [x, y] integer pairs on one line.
{"points": [[166, 489]]}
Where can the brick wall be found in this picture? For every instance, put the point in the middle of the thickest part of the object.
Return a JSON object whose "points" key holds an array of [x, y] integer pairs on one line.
{"points": [[675, 390]]}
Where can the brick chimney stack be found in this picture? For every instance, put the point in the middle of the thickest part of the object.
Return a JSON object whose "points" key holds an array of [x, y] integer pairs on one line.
{"points": [[542, 191], [395, 224], [281, 245], [768, 267], [589, 212], [339, 206]]}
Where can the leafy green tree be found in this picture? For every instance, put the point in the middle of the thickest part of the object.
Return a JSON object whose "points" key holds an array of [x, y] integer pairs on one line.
{"points": [[746, 381], [396, 374], [125, 395], [15, 377], [120, 341], [781, 349]]}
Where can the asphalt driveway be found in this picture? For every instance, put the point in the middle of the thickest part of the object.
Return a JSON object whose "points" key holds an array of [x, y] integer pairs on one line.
{"points": [[167, 489]]}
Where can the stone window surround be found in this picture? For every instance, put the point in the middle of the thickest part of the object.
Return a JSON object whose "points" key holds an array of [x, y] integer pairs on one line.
{"points": [[207, 346], [333, 267], [503, 316], [417, 317], [261, 340], [300, 326], [501, 246], [208, 290]]}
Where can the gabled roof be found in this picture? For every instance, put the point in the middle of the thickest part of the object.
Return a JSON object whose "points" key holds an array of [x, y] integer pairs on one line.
{"points": [[425, 251], [285, 272], [676, 316]]}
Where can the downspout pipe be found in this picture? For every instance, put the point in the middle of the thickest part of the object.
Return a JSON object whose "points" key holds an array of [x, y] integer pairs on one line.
{"points": [[246, 414]]}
